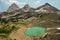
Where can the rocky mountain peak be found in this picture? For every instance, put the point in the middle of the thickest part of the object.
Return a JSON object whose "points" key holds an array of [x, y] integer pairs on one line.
{"points": [[47, 8], [13, 7], [47, 4], [26, 6]]}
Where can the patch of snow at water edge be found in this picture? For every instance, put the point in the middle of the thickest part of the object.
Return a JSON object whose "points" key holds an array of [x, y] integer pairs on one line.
{"points": [[58, 28]]}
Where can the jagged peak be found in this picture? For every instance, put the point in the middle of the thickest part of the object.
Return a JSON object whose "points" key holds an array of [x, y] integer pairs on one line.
{"points": [[12, 7], [14, 4], [47, 4], [26, 6]]}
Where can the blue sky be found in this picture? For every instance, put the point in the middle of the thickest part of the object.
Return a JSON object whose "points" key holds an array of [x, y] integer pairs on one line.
{"points": [[4, 4]]}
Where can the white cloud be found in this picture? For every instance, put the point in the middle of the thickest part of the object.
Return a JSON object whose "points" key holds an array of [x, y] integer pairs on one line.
{"points": [[37, 2], [9, 2]]}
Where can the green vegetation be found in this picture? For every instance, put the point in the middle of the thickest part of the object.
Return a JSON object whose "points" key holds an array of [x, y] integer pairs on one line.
{"points": [[50, 16], [7, 28], [48, 20], [45, 21], [7, 31]]}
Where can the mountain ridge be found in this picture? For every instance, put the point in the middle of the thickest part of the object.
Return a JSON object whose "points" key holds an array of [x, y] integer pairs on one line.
{"points": [[47, 4], [29, 12]]}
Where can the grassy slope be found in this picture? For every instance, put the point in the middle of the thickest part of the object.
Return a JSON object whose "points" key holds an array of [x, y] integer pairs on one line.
{"points": [[46, 21]]}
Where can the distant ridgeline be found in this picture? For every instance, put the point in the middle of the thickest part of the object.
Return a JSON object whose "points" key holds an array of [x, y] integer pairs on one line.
{"points": [[14, 12]]}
